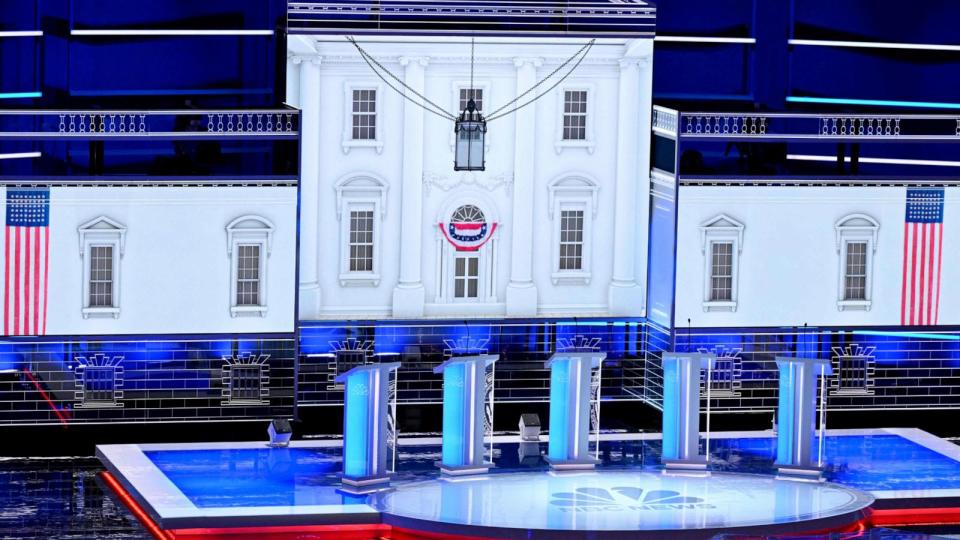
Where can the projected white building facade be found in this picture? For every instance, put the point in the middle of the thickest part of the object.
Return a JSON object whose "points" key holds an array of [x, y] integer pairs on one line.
{"points": [[555, 225]]}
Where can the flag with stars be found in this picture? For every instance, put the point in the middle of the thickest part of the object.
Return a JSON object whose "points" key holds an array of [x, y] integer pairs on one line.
{"points": [[922, 251], [26, 268]]}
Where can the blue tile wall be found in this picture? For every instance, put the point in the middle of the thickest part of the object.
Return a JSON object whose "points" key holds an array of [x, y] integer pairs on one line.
{"points": [[903, 369], [523, 346], [162, 378]]}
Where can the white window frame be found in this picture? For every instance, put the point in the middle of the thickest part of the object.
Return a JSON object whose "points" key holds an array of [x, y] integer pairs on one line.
{"points": [[348, 142], [249, 230], [855, 228], [573, 192], [721, 229], [467, 256], [101, 231], [360, 192], [589, 143], [458, 85], [446, 253]]}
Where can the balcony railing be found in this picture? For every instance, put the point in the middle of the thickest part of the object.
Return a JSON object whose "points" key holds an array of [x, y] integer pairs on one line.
{"points": [[623, 18], [131, 124], [815, 127]]}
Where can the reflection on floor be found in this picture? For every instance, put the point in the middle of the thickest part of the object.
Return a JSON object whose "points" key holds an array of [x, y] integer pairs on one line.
{"points": [[60, 499]]}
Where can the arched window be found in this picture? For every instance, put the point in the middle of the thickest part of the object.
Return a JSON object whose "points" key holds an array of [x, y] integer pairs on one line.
{"points": [[361, 205], [856, 243], [467, 213], [572, 207], [248, 246], [466, 250]]}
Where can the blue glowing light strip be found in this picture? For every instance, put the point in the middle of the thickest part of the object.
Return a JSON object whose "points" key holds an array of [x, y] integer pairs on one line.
{"points": [[919, 335], [873, 102], [20, 95]]}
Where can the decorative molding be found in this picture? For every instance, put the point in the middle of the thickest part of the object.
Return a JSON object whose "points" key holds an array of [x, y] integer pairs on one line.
{"points": [[857, 226], [573, 186], [356, 59], [520, 62], [721, 225], [485, 181], [361, 186], [423, 61], [102, 228]]}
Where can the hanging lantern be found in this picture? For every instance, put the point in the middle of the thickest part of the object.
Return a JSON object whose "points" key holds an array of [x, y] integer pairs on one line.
{"points": [[471, 130]]}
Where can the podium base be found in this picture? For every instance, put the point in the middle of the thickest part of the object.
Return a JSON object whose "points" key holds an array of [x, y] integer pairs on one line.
{"points": [[364, 481], [685, 464], [571, 464], [464, 470], [799, 472]]}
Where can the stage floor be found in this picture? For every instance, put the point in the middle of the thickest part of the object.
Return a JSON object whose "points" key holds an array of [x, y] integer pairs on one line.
{"points": [[619, 504], [185, 486]]}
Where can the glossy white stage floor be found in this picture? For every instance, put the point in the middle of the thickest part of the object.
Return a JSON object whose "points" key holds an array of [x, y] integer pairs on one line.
{"points": [[914, 477], [619, 504]]}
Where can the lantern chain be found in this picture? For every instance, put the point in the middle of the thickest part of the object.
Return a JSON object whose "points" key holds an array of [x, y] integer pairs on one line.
{"points": [[373, 61], [437, 110], [473, 93], [584, 50]]}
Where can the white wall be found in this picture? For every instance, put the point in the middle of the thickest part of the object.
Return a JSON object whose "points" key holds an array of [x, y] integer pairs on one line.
{"points": [[175, 271], [447, 67], [789, 267]]}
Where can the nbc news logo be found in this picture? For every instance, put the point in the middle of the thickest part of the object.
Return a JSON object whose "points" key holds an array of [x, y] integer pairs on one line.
{"points": [[620, 499]]}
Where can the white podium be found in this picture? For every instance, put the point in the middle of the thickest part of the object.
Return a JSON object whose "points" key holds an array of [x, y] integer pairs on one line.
{"points": [[796, 415], [681, 409], [365, 428], [572, 388], [467, 396]]}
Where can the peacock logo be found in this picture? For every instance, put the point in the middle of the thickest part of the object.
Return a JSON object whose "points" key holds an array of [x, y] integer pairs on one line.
{"points": [[625, 498]]}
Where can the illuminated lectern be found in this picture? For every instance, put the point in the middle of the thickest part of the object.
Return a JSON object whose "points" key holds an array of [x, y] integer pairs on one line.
{"points": [[681, 409], [466, 391], [572, 389], [365, 430], [796, 414]]}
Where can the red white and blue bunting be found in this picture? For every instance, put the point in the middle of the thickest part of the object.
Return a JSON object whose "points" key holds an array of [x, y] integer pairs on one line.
{"points": [[468, 236]]}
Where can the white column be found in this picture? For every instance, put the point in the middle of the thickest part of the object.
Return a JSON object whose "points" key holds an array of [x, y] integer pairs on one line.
{"points": [[408, 295], [633, 170], [309, 98], [293, 80], [522, 291]]}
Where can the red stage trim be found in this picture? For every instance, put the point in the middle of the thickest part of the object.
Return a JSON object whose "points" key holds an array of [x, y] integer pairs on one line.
{"points": [[156, 532], [876, 518], [914, 516]]}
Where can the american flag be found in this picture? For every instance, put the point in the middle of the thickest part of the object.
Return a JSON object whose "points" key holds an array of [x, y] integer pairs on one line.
{"points": [[26, 269], [922, 251]]}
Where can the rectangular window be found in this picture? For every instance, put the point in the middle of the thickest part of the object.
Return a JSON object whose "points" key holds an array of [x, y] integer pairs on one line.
{"points": [[364, 115], [361, 241], [855, 272], [852, 374], [575, 115], [98, 384], [248, 275], [721, 271], [571, 240], [466, 94], [245, 383], [466, 280], [101, 276]]}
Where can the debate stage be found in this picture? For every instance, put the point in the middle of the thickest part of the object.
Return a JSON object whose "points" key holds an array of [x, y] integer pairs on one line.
{"points": [[246, 490]]}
